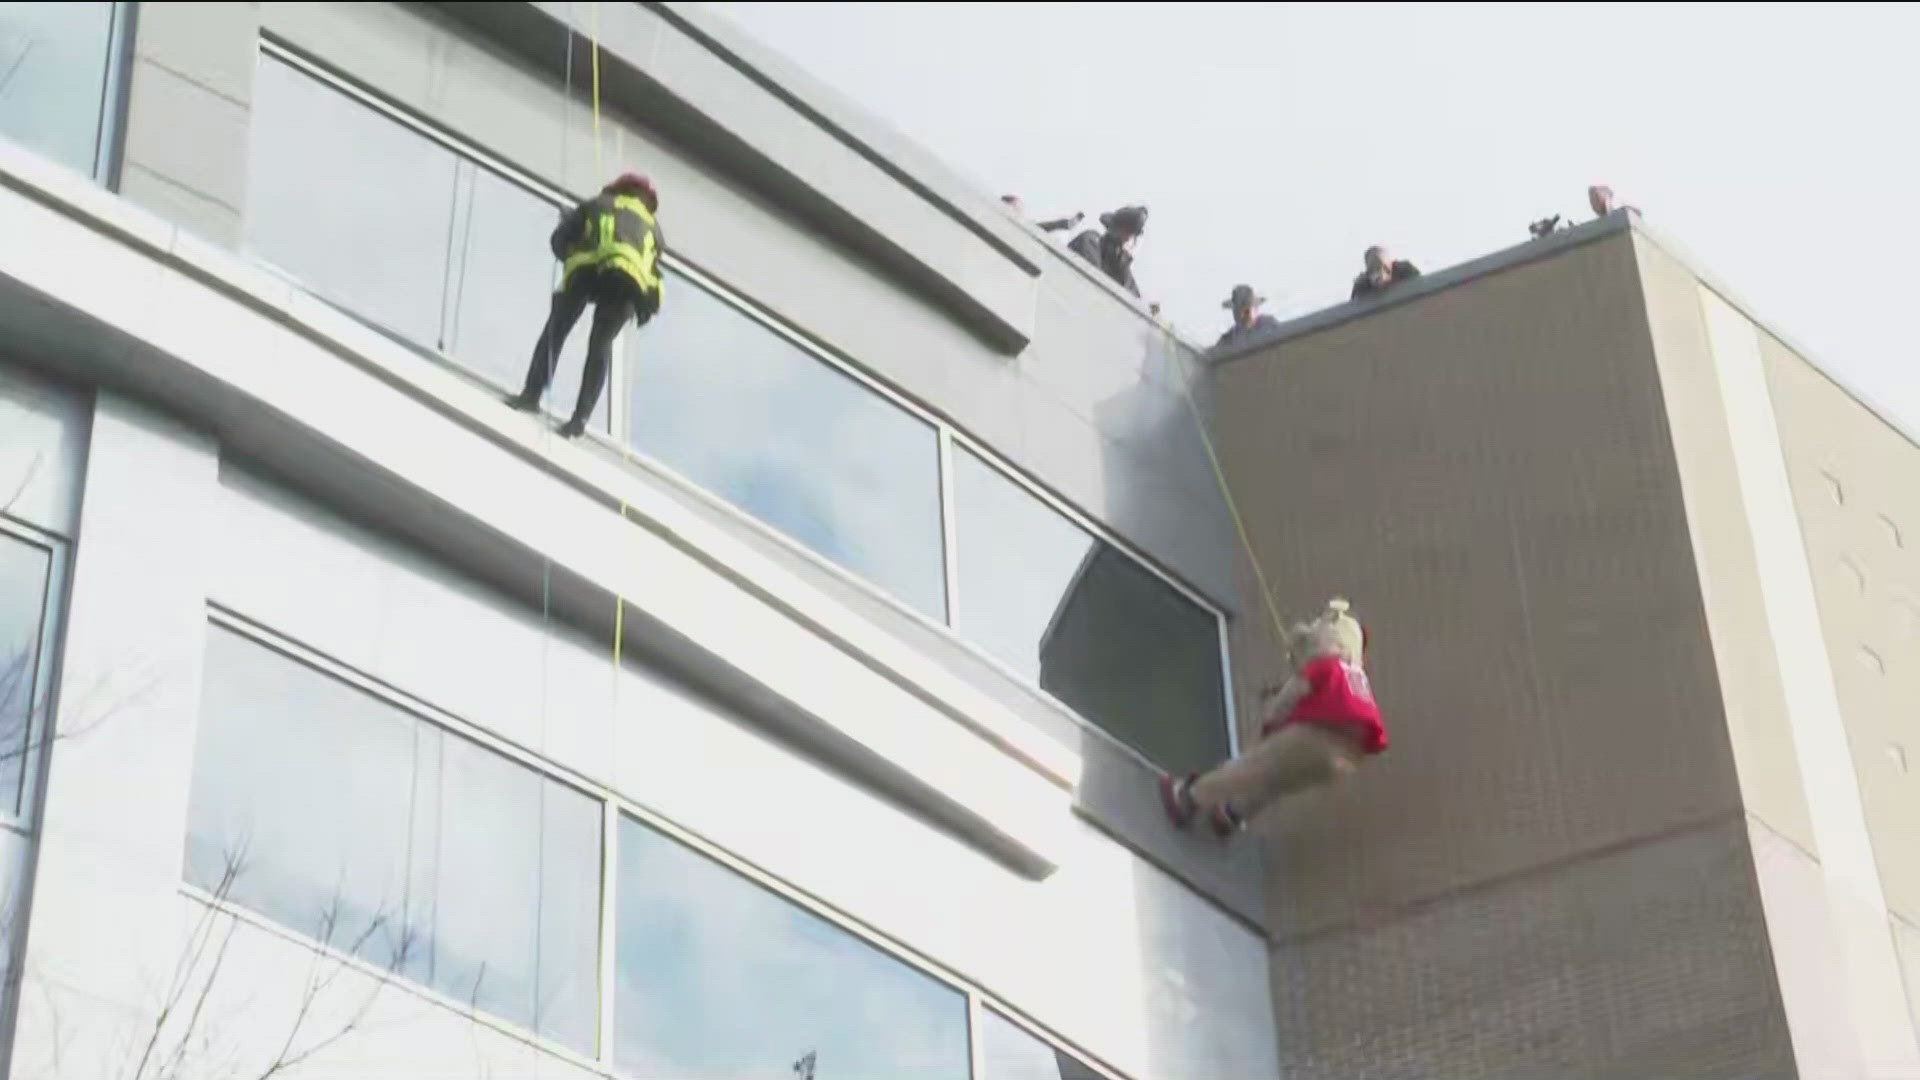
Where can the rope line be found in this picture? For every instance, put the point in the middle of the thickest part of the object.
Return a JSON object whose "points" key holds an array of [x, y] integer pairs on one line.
{"points": [[1245, 536], [546, 561], [1233, 510], [599, 169]]}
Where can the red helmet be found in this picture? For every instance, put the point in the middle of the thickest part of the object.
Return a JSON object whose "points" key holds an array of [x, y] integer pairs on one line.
{"points": [[635, 184]]}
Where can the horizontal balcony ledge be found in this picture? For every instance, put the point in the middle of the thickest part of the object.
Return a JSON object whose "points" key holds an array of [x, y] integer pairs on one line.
{"points": [[106, 292]]}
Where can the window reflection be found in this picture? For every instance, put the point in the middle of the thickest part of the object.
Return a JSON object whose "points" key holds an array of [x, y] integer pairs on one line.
{"points": [[1011, 1053], [356, 823], [739, 409], [1086, 621], [444, 253], [404, 232], [351, 203], [23, 599], [719, 979], [54, 61], [508, 863]]}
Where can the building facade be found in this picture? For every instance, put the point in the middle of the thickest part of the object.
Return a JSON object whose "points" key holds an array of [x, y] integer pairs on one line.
{"points": [[1641, 587], [801, 719], [798, 720]]}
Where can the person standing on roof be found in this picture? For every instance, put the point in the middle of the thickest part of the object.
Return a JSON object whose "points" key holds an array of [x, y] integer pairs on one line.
{"points": [[1111, 246], [609, 248], [1018, 208], [1382, 273], [1320, 727], [1248, 320], [1600, 199]]}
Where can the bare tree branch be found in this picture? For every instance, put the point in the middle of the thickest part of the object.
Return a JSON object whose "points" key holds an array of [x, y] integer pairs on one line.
{"points": [[183, 969], [286, 1060], [200, 999], [310, 983], [169, 1054]]}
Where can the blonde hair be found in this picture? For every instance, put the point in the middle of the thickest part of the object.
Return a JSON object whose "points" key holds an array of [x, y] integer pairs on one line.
{"points": [[1333, 632], [1347, 633]]}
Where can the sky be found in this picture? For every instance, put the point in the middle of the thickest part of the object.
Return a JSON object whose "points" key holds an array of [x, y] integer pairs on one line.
{"points": [[1777, 144]]}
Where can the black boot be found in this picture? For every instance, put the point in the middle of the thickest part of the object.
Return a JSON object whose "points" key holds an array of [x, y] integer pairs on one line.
{"points": [[573, 428], [523, 403]]}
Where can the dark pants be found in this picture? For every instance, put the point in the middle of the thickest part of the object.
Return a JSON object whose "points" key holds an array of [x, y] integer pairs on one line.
{"points": [[615, 298]]}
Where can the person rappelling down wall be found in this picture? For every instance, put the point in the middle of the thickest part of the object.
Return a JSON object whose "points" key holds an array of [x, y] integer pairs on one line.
{"points": [[1320, 727], [609, 248]]}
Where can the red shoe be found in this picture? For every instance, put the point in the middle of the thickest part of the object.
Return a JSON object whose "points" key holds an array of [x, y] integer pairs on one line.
{"points": [[1176, 798]]}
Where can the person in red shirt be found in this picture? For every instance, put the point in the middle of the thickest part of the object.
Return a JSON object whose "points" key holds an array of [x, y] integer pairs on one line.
{"points": [[1320, 727]]}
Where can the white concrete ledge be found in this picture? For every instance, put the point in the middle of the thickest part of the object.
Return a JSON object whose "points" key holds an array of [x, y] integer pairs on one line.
{"points": [[208, 333]]}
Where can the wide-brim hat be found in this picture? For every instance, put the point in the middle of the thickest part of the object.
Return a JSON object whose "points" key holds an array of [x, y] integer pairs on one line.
{"points": [[1243, 296]]}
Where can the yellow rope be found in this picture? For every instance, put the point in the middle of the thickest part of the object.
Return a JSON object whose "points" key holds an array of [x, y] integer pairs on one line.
{"points": [[599, 168], [1239, 523], [1213, 457], [594, 16]]}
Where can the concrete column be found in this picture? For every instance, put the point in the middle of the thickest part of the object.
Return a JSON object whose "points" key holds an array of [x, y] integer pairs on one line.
{"points": [[104, 935], [1868, 971], [188, 101]]}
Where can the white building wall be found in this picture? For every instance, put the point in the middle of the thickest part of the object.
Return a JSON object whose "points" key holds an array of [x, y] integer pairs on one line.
{"points": [[1108, 951], [1104, 950], [43, 441], [100, 940], [43, 445]]}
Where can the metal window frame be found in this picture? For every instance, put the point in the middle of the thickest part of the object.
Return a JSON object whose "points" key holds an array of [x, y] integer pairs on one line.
{"points": [[467, 165], [1040, 1034], [1101, 534], [34, 767], [109, 143], [949, 535], [41, 717], [110, 104], [944, 431], [614, 805]]}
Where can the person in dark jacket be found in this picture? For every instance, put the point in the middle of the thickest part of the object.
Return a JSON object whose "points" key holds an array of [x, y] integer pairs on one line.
{"points": [[1111, 246], [1248, 320], [609, 248], [1383, 272]]}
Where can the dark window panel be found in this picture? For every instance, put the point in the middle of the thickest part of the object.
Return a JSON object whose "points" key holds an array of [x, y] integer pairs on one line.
{"points": [[1086, 621]]}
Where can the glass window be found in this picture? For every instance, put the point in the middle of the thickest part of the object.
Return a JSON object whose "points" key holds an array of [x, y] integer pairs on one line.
{"points": [[405, 233], [742, 411], [1011, 1053], [1086, 621], [444, 253], [23, 608], [355, 822], [355, 205], [508, 865], [719, 979], [54, 62], [501, 289]]}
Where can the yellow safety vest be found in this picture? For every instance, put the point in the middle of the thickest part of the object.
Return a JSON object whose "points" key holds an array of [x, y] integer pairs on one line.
{"points": [[624, 236]]}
